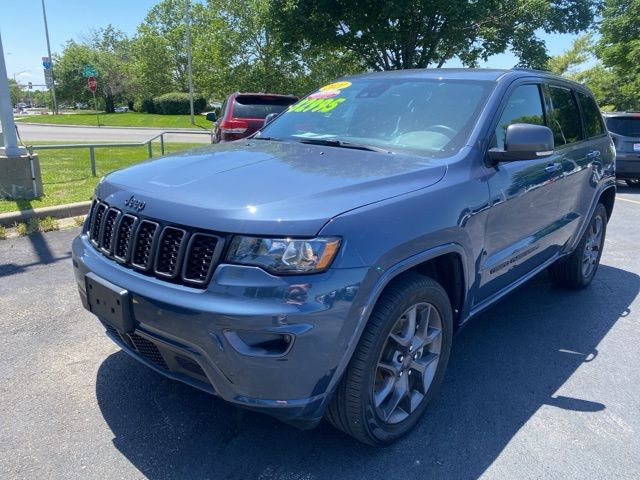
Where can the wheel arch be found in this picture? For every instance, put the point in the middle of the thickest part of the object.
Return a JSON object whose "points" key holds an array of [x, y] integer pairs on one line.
{"points": [[607, 198]]}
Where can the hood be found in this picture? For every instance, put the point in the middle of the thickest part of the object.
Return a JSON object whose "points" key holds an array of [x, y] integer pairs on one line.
{"points": [[265, 187]]}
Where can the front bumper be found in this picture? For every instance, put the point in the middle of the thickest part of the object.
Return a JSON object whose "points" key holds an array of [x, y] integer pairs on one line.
{"points": [[274, 344]]}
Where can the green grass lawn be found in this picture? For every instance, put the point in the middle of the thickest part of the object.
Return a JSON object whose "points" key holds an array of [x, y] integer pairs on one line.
{"points": [[127, 119], [66, 174]]}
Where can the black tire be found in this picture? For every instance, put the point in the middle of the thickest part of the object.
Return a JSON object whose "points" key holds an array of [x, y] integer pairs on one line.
{"points": [[570, 272], [633, 182], [352, 409]]}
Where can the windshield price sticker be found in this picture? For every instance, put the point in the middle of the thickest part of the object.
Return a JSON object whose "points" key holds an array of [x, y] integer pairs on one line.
{"points": [[322, 105], [335, 86]]}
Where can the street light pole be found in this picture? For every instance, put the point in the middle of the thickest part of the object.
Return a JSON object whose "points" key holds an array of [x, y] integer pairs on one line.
{"points": [[11, 147], [53, 83], [187, 20]]}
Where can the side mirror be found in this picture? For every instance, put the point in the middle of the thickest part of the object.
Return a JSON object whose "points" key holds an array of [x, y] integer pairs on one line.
{"points": [[524, 141], [269, 118], [211, 116]]}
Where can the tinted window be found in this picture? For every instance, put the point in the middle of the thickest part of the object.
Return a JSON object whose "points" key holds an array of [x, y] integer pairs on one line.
{"points": [[247, 106], [431, 117], [591, 115], [564, 119], [626, 126], [524, 106]]}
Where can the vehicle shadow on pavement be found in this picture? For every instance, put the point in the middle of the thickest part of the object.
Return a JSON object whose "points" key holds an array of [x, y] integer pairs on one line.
{"points": [[508, 363]]}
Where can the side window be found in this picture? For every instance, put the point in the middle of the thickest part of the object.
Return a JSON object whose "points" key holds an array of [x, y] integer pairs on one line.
{"points": [[564, 118], [593, 124], [524, 106]]}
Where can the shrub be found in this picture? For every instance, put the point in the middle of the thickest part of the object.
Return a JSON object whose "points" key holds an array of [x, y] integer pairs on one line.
{"points": [[47, 224], [3, 232], [144, 105], [177, 103], [21, 229]]}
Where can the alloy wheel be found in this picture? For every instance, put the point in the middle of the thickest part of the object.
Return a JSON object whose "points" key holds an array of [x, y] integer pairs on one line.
{"points": [[408, 363], [592, 246]]}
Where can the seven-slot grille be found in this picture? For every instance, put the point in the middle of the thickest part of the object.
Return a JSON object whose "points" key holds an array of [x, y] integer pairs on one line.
{"points": [[165, 251]]}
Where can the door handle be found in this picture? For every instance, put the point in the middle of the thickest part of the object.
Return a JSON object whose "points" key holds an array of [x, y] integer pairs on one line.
{"points": [[553, 167], [593, 154]]}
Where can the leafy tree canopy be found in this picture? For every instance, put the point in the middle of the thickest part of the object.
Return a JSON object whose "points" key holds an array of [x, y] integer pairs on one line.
{"points": [[422, 33]]}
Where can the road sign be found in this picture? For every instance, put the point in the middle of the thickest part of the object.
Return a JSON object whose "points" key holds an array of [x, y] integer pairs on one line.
{"points": [[30, 85], [89, 71], [46, 63], [92, 83]]}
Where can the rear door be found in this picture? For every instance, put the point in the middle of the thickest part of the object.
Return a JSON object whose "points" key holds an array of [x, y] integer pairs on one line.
{"points": [[583, 145], [524, 196]]}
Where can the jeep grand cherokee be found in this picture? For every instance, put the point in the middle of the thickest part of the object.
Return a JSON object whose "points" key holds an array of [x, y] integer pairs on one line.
{"points": [[322, 267]]}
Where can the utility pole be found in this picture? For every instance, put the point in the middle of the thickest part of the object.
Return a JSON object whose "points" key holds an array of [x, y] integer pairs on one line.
{"points": [[187, 20], [53, 82], [11, 147]]}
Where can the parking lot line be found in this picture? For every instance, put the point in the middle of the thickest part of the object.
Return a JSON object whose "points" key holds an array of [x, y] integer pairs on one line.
{"points": [[628, 200]]}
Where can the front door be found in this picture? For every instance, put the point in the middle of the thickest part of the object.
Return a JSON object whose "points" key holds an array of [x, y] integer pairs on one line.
{"points": [[523, 220]]}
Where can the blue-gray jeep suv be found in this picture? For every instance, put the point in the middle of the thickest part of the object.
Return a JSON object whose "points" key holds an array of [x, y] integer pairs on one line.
{"points": [[322, 267]]}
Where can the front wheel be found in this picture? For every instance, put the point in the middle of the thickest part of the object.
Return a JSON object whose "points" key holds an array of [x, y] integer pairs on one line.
{"points": [[579, 268], [398, 364]]}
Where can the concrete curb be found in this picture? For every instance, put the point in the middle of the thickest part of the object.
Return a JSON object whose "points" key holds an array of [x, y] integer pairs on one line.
{"points": [[56, 211], [186, 130]]}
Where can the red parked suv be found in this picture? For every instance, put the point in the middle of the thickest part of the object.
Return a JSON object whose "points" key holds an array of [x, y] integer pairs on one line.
{"points": [[243, 114]]}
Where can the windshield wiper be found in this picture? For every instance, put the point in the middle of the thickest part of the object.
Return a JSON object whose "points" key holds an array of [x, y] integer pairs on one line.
{"points": [[272, 139], [332, 142]]}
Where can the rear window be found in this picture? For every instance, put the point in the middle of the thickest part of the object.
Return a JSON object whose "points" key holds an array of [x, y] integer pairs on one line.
{"points": [[248, 106], [625, 126], [592, 119]]}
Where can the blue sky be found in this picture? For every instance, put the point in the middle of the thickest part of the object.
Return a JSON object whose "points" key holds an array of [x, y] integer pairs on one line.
{"points": [[22, 30]]}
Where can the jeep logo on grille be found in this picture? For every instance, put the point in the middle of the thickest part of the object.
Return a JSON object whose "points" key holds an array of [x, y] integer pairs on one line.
{"points": [[135, 204]]}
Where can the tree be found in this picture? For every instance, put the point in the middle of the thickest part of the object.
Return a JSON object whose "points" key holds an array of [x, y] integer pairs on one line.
{"points": [[421, 33], [238, 47], [573, 57], [619, 49], [15, 91], [610, 89], [107, 49]]}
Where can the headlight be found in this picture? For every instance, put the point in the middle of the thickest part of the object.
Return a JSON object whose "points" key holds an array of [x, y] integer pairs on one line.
{"points": [[284, 255]]}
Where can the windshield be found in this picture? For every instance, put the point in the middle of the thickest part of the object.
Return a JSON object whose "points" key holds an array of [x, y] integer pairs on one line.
{"points": [[421, 116], [625, 126]]}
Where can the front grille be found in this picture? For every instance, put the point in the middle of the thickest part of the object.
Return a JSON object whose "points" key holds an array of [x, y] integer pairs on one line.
{"points": [[123, 237], [202, 250], [169, 252], [110, 223], [144, 245], [96, 221], [148, 350]]}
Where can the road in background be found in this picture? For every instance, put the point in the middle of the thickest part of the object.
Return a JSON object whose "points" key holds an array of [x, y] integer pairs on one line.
{"points": [[546, 384], [57, 133]]}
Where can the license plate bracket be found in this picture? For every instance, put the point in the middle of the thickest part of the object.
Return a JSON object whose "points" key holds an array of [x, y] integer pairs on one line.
{"points": [[109, 303]]}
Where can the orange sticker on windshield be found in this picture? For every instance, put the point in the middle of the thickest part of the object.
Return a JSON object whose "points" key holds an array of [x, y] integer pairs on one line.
{"points": [[336, 86]]}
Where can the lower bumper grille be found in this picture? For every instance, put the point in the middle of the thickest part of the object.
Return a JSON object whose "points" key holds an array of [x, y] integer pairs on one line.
{"points": [[150, 352]]}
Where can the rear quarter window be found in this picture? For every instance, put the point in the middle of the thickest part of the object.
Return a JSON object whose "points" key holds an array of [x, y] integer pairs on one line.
{"points": [[593, 124]]}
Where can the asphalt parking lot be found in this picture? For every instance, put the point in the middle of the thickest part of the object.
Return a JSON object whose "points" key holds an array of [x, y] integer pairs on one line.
{"points": [[544, 385]]}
